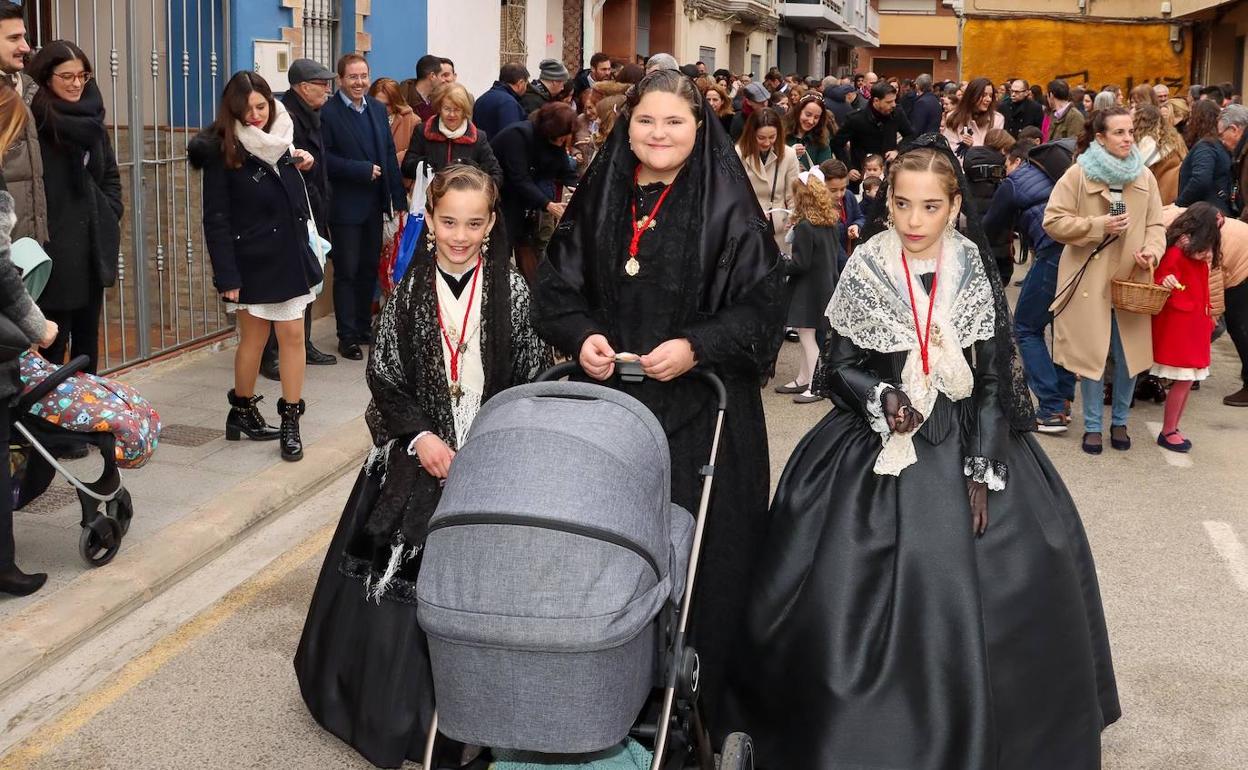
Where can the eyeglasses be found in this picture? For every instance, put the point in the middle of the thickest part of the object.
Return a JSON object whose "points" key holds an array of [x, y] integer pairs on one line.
{"points": [[356, 78], [1018, 90], [69, 78]]}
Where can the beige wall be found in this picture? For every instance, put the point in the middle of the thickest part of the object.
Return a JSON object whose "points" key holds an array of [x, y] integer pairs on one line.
{"points": [[714, 33], [907, 29]]}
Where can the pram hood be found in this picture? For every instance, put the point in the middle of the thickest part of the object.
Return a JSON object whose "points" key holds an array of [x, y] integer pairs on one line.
{"points": [[556, 524], [552, 552]]}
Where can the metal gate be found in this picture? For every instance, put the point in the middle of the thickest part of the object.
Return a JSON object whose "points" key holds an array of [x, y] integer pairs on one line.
{"points": [[160, 65]]}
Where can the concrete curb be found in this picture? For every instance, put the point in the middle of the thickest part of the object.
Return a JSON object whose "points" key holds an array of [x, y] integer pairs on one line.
{"points": [[53, 627]]}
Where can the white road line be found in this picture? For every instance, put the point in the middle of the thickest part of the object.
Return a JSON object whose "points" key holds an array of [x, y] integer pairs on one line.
{"points": [[1230, 549], [1176, 459]]}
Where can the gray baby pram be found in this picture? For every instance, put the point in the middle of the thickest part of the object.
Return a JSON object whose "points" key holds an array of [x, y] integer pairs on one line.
{"points": [[551, 578]]}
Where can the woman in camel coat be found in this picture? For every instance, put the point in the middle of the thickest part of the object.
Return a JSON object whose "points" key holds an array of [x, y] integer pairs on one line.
{"points": [[1087, 328]]}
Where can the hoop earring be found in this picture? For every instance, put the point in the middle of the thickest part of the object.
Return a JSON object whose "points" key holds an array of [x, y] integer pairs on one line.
{"points": [[430, 242]]}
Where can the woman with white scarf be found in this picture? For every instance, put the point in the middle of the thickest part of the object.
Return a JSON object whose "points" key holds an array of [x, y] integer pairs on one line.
{"points": [[257, 226], [889, 624]]}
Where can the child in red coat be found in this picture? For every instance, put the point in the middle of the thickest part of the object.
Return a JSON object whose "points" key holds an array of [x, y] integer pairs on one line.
{"points": [[1183, 328]]}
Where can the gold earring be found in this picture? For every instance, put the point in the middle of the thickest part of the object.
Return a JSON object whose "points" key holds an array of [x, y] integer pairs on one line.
{"points": [[430, 242], [485, 246], [949, 228], [889, 222]]}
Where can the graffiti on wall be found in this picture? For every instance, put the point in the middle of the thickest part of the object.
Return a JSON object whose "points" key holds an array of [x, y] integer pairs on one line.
{"points": [[1088, 54]]}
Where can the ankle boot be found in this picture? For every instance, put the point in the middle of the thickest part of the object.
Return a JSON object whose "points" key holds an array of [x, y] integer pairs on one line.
{"points": [[17, 583], [292, 442], [245, 418]]}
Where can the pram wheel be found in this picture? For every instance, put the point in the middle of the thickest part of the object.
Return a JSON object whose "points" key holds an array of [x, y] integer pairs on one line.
{"points": [[100, 540], [738, 753], [121, 509]]}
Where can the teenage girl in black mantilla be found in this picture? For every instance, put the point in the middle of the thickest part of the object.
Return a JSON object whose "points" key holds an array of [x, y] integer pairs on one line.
{"points": [[256, 226]]}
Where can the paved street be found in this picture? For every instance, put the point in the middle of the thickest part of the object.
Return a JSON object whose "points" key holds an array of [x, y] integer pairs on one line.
{"points": [[206, 683]]}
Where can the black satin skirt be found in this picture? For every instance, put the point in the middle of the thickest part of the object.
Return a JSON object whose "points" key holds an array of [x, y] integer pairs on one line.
{"points": [[883, 634], [363, 666]]}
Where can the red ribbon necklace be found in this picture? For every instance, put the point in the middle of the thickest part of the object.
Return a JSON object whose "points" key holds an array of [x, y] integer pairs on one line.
{"points": [[455, 350], [924, 336], [632, 267]]}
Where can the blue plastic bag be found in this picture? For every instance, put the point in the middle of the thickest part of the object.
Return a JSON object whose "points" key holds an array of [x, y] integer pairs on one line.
{"points": [[407, 246]]}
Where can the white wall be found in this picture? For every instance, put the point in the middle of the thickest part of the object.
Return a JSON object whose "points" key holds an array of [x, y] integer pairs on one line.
{"points": [[543, 22], [468, 32]]}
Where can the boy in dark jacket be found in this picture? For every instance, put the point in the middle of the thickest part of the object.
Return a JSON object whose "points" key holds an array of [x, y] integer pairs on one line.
{"points": [[853, 219], [1020, 201]]}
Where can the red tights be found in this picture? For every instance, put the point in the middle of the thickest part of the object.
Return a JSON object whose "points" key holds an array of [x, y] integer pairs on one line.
{"points": [[1176, 401]]}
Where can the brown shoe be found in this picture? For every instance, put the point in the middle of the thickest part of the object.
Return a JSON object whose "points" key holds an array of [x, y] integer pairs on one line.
{"points": [[1239, 398]]}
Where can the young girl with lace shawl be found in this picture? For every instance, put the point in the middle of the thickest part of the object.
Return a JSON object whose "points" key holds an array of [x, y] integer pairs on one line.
{"points": [[883, 631], [455, 332], [1184, 327], [812, 272]]}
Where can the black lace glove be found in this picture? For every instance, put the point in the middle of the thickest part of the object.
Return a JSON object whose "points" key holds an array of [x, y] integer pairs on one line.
{"points": [[977, 491], [902, 417]]}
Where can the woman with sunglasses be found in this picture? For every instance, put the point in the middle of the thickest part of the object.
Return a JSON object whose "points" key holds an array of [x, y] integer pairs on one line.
{"points": [[83, 189]]}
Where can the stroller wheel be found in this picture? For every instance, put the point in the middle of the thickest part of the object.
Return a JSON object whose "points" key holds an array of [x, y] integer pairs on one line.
{"points": [[121, 509], [738, 753], [100, 540]]}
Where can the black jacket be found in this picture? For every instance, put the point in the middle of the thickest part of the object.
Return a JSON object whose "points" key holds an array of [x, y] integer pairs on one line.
{"points": [[869, 133], [1019, 115], [527, 160], [834, 100], [925, 115], [533, 99], [84, 222], [308, 137], [431, 145], [255, 225], [985, 172]]}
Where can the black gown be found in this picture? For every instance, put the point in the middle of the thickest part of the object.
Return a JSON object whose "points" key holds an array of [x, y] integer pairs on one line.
{"points": [[581, 293], [363, 661], [882, 634]]}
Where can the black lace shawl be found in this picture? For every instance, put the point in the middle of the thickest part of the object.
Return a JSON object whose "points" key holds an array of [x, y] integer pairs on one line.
{"points": [[733, 308], [406, 376], [1014, 394]]}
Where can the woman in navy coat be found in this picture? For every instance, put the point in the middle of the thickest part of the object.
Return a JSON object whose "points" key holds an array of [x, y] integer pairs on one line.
{"points": [[256, 227]]}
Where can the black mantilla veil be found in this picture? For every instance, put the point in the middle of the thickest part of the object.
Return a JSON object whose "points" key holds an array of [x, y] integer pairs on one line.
{"points": [[1014, 394], [718, 222]]}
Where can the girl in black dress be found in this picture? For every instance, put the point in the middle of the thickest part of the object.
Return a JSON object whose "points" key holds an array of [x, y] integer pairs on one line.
{"points": [[890, 626], [455, 332], [664, 253]]}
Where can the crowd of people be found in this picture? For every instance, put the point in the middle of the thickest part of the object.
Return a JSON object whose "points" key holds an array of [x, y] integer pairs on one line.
{"points": [[690, 218]]}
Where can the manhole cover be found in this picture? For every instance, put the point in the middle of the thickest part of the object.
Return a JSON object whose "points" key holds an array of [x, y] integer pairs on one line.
{"points": [[54, 499], [188, 435]]}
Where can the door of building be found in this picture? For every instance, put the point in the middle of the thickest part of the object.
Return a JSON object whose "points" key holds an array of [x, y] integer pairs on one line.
{"points": [[160, 66]]}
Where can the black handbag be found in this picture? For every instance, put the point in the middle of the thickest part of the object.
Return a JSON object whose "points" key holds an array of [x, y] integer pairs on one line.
{"points": [[13, 341]]}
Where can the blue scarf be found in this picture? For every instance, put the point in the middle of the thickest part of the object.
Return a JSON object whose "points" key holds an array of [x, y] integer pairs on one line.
{"points": [[1100, 166]]}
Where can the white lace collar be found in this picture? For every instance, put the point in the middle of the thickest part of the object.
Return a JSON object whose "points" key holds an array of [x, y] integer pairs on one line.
{"points": [[871, 306]]}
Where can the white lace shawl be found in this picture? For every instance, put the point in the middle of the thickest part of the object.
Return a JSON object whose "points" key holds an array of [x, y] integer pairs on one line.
{"points": [[872, 308]]}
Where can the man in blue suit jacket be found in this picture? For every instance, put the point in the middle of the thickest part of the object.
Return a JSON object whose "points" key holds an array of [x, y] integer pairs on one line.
{"points": [[364, 173]]}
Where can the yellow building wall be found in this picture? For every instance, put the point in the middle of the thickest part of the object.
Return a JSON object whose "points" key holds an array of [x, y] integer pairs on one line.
{"points": [[1082, 53]]}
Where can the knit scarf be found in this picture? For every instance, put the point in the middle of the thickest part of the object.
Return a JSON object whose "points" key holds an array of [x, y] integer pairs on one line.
{"points": [[269, 146], [75, 128], [1100, 166], [453, 135]]}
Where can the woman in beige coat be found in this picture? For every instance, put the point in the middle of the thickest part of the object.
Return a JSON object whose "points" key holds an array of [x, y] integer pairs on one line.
{"points": [[771, 167], [1087, 329]]}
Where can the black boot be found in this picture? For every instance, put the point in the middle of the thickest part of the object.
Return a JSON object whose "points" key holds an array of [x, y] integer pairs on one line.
{"points": [[17, 583], [315, 357], [245, 418], [269, 369], [292, 442]]}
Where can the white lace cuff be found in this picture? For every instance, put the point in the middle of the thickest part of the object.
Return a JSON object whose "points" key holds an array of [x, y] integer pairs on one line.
{"points": [[986, 471], [875, 408]]}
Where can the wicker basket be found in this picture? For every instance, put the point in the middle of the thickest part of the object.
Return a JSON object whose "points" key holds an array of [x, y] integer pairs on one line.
{"points": [[1144, 298]]}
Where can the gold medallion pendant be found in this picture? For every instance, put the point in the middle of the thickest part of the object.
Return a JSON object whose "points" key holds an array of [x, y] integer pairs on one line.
{"points": [[632, 266]]}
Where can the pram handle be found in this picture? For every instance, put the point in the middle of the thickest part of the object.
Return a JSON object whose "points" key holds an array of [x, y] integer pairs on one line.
{"points": [[37, 393], [712, 380]]}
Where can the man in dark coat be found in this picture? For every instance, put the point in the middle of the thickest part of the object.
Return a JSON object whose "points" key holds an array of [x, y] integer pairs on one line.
{"points": [[551, 76], [839, 101], [428, 77], [872, 130], [310, 84], [364, 170], [1022, 110], [23, 164], [500, 106], [755, 99], [926, 112]]}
